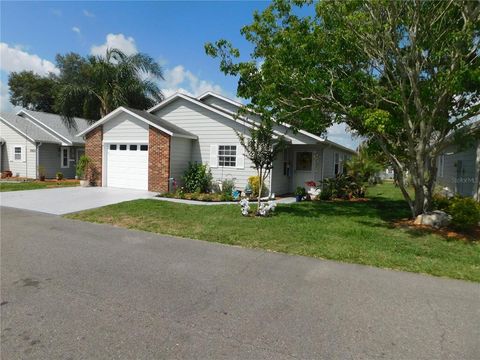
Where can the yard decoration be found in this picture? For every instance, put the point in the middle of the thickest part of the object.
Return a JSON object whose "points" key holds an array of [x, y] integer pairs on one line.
{"points": [[267, 208], [245, 207]]}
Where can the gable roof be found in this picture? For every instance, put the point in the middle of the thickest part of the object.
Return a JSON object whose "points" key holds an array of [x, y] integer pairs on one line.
{"points": [[54, 124], [146, 117], [28, 128]]}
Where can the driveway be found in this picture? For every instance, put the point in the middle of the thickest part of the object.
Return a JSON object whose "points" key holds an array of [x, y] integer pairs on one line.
{"points": [[72, 290], [69, 199]]}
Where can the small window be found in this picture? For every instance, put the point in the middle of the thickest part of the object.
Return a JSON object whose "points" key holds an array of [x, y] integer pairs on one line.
{"points": [[65, 156], [123, 147], [17, 150], [143, 147], [336, 162], [113, 147], [304, 161], [133, 147], [227, 155]]}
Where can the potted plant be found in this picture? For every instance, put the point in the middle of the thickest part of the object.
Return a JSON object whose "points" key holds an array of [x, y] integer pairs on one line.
{"points": [[81, 169], [59, 175], [299, 193], [41, 172]]}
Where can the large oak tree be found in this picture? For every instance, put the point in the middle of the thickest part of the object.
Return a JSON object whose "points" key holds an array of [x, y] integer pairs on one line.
{"points": [[404, 74]]}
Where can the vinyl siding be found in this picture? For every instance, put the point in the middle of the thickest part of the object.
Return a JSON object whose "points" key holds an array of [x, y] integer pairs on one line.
{"points": [[221, 104], [463, 183], [211, 129], [180, 156], [125, 127], [27, 167], [49, 157], [329, 162]]}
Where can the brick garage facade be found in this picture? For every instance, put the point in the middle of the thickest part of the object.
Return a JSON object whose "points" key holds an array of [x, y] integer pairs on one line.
{"points": [[94, 150], [158, 160]]}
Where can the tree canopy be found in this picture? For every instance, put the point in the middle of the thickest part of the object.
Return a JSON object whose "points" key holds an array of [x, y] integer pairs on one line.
{"points": [[90, 87], [404, 74]]}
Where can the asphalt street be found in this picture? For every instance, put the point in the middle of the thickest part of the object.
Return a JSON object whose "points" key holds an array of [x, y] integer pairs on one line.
{"points": [[74, 290]]}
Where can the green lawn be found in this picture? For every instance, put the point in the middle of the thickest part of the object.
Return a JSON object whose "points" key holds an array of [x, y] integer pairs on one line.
{"points": [[33, 185], [355, 232]]}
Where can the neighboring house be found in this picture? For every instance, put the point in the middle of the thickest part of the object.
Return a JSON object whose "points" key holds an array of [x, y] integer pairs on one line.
{"points": [[459, 170], [147, 150], [32, 138], [387, 173]]}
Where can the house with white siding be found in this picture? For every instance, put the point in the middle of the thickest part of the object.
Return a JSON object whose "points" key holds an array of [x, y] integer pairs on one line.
{"points": [[32, 139], [459, 170], [151, 149]]}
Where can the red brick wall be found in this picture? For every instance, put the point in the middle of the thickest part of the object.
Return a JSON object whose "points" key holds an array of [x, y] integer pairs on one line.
{"points": [[94, 150], [158, 160]]}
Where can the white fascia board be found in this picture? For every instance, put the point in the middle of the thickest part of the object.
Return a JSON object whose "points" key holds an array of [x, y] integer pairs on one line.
{"points": [[63, 139]]}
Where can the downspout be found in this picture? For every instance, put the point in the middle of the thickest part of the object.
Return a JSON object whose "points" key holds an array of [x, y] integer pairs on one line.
{"points": [[37, 155]]}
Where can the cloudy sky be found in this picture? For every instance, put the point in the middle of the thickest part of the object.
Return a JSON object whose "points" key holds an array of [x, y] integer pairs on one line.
{"points": [[174, 33]]}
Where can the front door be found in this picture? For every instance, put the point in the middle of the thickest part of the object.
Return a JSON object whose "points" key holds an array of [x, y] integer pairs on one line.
{"points": [[303, 168]]}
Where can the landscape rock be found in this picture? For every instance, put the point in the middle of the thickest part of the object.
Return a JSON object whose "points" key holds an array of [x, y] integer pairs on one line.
{"points": [[436, 219]]}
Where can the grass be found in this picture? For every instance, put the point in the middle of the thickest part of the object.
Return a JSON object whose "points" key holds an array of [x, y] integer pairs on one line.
{"points": [[354, 232], [33, 185]]}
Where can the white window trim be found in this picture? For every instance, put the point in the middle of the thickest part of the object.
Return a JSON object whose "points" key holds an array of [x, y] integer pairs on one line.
{"points": [[236, 156], [22, 153], [61, 157]]}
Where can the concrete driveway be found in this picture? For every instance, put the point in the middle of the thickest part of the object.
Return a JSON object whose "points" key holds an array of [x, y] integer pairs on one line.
{"points": [[69, 199], [74, 290]]}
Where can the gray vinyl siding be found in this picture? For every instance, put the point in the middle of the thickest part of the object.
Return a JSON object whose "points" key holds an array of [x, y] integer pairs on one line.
{"points": [[463, 183], [211, 129], [27, 167], [49, 157], [180, 156], [125, 127]]}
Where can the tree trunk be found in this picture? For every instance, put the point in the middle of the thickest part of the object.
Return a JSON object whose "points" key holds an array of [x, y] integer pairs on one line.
{"points": [[260, 188]]}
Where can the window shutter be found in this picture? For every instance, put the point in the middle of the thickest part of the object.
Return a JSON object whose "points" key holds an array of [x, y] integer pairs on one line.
{"points": [[213, 156], [240, 157]]}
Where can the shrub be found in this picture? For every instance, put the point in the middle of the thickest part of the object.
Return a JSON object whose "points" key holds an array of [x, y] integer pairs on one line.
{"points": [[465, 213], [325, 194], [342, 187], [41, 172], [300, 191], [440, 202], [254, 182], [197, 178], [82, 166], [59, 175], [228, 186]]}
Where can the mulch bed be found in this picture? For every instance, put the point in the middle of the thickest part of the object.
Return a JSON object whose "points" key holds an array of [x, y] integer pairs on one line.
{"points": [[473, 235]]}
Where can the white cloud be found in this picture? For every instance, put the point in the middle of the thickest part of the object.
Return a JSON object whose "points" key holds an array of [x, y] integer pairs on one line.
{"points": [[182, 80], [341, 135], [76, 30], [15, 59], [88, 14], [117, 41]]}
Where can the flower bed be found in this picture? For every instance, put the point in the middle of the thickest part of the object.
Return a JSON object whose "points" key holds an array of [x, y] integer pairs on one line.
{"points": [[210, 197]]}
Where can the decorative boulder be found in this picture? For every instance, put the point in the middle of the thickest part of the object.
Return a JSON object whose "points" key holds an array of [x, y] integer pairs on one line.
{"points": [[436, 219]]}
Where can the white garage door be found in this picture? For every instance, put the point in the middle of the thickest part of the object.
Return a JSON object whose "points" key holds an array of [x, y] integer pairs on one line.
{"points": [[127, 166]]}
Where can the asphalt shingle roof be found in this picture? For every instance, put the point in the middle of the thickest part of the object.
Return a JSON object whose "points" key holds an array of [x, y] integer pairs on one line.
{"points": [[29, 128]]}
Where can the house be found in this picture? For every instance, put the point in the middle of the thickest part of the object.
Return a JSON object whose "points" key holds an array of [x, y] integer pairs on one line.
{"points": [[31, 139], [459, 170], [149, 149]]}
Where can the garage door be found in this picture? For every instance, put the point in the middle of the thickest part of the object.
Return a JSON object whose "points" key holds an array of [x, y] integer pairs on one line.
{"points": [[127, 166]]}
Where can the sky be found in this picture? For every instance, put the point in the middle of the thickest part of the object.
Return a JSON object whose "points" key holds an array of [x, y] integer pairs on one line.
{"points": [[173, 33]]}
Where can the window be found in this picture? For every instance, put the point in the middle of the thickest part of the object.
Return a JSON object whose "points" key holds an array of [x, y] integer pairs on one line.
{"points": [[344, 160], [65, 157], [123, 147], [441, 165], [143, 147], [133, 147], [113, 147], [17, 153], [227, 155], [304, 161], [286, 165], [336, 163]]}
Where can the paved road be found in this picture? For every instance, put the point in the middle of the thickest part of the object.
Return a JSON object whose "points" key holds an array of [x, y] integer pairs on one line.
{"points": [[72, 290], [69, 199]]}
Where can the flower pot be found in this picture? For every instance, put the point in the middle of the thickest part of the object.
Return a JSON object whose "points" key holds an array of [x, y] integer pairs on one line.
{"points": [[84, 183], [42, 177], [298, 198]]}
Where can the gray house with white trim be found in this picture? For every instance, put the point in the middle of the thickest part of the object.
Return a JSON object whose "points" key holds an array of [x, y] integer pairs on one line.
{"points": [[32, 138], [147, 150]]}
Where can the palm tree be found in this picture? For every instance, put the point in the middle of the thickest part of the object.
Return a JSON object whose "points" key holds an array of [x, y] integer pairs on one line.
{"points": [[108, 82]]}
